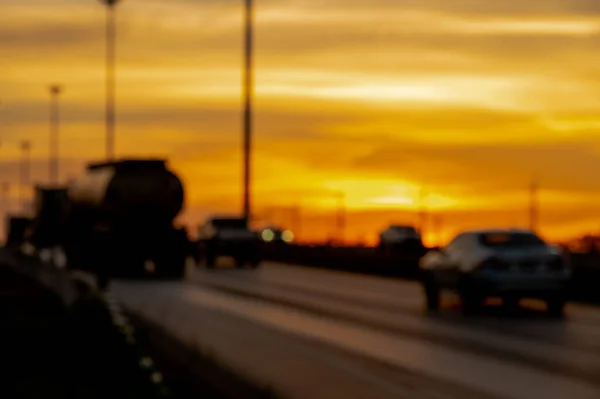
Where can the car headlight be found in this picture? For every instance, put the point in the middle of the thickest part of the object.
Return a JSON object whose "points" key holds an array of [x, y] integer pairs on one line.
{"points": [[287, 236], [267, 235]]}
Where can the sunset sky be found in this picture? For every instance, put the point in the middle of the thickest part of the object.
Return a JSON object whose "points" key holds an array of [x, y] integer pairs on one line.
{"points": [[467, 99]]}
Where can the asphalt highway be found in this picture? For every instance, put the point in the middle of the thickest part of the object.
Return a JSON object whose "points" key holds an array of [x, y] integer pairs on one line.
{"points": [[320, 334]]}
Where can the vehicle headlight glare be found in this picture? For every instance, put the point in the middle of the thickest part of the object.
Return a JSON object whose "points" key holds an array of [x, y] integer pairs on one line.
{"points": [[267, 235], [287, 236]]}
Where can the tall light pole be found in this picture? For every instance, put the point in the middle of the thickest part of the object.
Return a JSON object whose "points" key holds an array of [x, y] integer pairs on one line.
{"points": [[422, 211], [533, 205], [25, 170], [437, 229], [341, 215], [55, 91], [248, 91], [5, 192], [110, 77], [296, 225]]}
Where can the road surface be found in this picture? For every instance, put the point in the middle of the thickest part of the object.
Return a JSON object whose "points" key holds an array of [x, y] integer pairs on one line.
{"points": [[316, 334]]}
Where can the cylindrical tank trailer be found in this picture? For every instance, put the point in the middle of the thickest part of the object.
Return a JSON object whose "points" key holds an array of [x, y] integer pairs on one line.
{"points": [[117, 219], [131, 189]]}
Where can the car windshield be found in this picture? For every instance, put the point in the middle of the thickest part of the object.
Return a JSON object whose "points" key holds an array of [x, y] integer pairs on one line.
{"points": [[237, 224], [510, 240]]}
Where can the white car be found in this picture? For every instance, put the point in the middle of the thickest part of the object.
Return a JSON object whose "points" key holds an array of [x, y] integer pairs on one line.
{"points": [[507, 263]]}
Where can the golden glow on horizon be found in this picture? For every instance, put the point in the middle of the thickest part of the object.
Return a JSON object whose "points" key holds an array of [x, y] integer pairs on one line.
{"points": [[376, 101]]}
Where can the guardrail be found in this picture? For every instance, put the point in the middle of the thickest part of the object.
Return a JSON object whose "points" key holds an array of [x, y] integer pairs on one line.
{"points": [[367, 260]]}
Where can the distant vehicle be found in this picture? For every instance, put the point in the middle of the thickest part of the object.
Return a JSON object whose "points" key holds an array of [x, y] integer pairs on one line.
{"points": [[276, 235], [507, 263], [400, 238], [229, 236]]}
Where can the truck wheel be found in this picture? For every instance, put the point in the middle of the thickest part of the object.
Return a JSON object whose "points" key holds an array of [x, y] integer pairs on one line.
{"points": [[471, 301], [102, 281], [255, 264], [510, 303], [175, 272], [171, 267], [196, 256], [210, 261]]}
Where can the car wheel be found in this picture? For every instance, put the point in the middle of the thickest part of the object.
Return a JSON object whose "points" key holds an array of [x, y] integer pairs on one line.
{"points": [[210, 261], [432, 293], [470, 300], [556, 307], [510, 302]]}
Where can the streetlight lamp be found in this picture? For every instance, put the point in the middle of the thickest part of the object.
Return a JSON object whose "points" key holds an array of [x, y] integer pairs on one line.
{"points": [[55, 91], [110, 77], [248, 86], [25, 170]]}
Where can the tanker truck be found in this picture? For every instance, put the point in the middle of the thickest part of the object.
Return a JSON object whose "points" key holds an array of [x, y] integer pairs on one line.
{"points": [[117, 220]]}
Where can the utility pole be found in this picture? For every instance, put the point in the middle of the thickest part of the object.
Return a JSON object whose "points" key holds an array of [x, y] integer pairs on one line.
{"points": [[5, 187], [533, 205], [25, 171], [296, 220], [110, 77], [55, 91], [422, 211], [341, 215], [437, 229], [5, 191], [248, 91]]}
